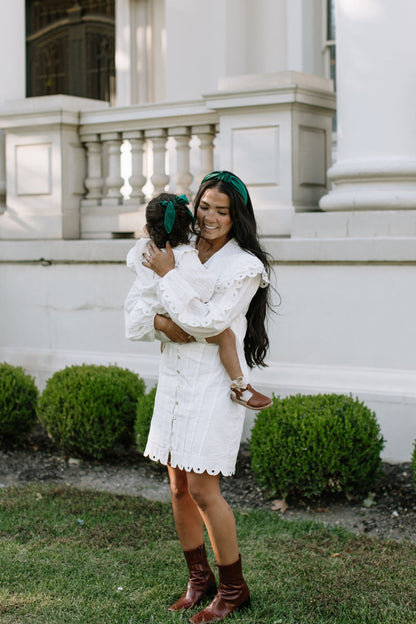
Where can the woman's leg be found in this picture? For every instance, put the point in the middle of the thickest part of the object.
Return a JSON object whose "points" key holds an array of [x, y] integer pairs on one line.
{"points": [[189, 526], [216, 514], [233, 592], [188, 521]]}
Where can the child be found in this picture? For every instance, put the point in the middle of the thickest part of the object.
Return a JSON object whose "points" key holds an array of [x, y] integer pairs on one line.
{"points": [[168, 218]]}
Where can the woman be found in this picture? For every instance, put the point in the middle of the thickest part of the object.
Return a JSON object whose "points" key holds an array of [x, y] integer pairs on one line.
{"points": [[196, 429]]}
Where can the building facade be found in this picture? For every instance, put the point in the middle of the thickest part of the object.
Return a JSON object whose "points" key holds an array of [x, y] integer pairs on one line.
{"points": [[104, 102]]}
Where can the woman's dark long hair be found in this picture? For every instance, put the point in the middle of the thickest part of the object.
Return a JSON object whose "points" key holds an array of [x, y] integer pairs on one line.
{"points": [[244, 230]]}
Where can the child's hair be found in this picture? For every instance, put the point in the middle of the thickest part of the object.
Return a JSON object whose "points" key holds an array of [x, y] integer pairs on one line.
{"points": [[183, 225]]}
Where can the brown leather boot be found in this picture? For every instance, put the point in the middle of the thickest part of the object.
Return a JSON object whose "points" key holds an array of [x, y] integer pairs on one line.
{"points": [[232, 594], [201, 580]]}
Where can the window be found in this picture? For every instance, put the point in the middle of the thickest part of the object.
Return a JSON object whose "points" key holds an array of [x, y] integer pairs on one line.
{"points": [[330, 49], [70, 48]]}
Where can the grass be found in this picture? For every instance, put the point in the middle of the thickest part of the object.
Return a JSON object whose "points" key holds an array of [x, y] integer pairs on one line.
{"points": [[69, 556]]}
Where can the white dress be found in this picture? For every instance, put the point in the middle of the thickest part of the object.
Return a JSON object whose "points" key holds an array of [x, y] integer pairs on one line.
{"points": [[195, 425], [142, 302]]}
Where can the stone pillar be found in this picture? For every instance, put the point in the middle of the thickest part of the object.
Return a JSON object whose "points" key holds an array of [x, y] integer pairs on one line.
{"points": [[275, 133], [376, 165], [45, 167]]}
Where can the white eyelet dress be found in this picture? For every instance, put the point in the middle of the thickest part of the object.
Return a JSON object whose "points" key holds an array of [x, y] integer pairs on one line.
{"points": [[195, 424]]}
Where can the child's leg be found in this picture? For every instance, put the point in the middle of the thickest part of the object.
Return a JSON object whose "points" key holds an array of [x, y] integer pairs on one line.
{"points": [[228, 352], [242, 392]]}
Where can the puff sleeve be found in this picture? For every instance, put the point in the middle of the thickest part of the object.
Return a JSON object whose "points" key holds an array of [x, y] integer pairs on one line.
{"points": [[141, 304], [241, 276]]}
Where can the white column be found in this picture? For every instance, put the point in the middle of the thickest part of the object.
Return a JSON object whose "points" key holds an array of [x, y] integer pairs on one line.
{"points": [[376, 56], [12, 71]]}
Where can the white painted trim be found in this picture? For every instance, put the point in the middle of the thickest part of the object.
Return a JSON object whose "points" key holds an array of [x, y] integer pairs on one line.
{"points": [[338, 379], [276, 377], [42, 363]]}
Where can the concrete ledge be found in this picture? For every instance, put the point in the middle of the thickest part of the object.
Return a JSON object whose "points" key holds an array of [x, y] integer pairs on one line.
{"points": [[283, 250], [342, 250], [74, 251]]}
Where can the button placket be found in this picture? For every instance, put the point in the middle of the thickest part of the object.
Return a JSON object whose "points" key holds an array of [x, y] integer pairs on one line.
{"points": [[178, 372]]}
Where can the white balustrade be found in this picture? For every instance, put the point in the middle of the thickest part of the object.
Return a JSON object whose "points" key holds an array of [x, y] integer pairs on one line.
{"points": [[105, 207], [116, 158]]}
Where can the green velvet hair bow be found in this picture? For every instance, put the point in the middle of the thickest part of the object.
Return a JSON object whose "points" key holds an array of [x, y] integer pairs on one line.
{"points": [[170, 214], [228, 178]]}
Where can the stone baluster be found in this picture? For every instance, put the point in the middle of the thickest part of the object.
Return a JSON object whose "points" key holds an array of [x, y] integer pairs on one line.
{"points": [[159, 178], [183, 177], [206, 135], [113, 181], [94, 180], [137, 180]]}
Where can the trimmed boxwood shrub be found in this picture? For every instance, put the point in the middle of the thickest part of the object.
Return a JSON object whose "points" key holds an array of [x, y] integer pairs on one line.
{"points": [[144, 415], [89, 410], [308, 445], [18, 398]]}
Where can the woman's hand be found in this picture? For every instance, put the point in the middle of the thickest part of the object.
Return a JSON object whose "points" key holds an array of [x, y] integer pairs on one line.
{"points": [[171, 330], [155, 259]]}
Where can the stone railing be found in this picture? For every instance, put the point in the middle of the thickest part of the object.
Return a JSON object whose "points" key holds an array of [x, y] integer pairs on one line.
{"points": [[76, 168], [137, 152]]}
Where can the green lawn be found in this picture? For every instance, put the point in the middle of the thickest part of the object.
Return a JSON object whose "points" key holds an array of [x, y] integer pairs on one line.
{"points": [[70, 556]]}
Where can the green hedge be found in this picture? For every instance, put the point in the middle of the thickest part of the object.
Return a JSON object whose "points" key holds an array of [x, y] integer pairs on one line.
{"points": [[89, 410], [144, 414], [18, 399], [413, 464], [308, 445]]}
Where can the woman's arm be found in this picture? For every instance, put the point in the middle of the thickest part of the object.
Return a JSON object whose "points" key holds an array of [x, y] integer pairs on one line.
{"points": [[140, 308], [205, 319]]}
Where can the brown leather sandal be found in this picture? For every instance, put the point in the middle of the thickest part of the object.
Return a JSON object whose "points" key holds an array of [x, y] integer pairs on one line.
{"points": [[257, 401]]}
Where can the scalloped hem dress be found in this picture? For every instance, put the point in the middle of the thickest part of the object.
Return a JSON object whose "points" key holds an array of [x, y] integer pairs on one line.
{"points": [[195, 425]]}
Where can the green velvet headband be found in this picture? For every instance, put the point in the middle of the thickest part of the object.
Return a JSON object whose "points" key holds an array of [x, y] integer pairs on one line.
{"points": [[170, 214], [228, 178]]}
